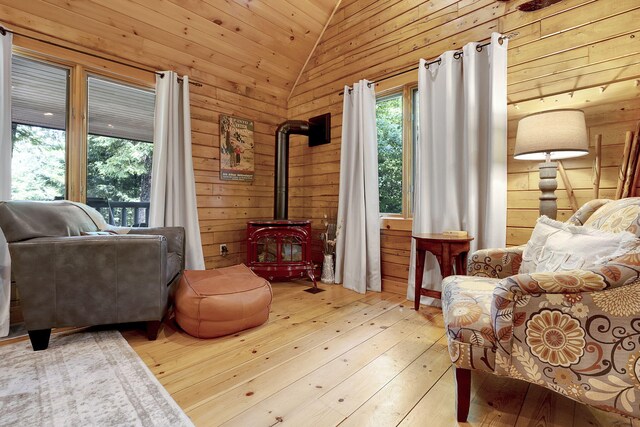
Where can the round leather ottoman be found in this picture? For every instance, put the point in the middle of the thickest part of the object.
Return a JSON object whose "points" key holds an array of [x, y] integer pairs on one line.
{"points": [[212, 303]]}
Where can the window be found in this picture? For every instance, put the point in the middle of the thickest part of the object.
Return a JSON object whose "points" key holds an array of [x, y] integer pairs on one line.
{"points": [[397, 133], [389, 123], [39, 125], [119, 150], [101, 156]]}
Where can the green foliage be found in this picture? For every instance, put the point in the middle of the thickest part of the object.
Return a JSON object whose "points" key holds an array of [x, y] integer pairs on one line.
{"points": [[117, 169], [38, 163], [389, 124]]}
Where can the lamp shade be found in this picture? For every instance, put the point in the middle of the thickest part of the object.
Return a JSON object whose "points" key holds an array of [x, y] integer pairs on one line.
{"points": [[562, 133]]}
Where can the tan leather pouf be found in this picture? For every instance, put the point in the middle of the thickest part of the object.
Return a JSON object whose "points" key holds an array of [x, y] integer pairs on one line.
{"points": [[212, 303]]}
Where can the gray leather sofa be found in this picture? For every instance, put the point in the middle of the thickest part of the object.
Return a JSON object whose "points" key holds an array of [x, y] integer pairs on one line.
{"points": [[70, 271]]}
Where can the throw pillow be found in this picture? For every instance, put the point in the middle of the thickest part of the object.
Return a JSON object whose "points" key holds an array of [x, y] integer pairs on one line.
{"points": [[557, 246]]}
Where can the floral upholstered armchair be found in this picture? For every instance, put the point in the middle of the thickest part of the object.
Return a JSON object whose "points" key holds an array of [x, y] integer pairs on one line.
{"points": [[574, 330]]}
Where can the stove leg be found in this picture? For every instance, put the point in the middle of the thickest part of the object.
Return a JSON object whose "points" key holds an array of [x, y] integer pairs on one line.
{"points": [[312, 276]]}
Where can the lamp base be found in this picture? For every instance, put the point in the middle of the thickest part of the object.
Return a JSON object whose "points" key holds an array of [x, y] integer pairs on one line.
{"points": [[548, 185]]}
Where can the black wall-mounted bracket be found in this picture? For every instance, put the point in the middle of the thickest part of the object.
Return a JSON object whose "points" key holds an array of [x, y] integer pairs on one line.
{"points": [[320, 130]]}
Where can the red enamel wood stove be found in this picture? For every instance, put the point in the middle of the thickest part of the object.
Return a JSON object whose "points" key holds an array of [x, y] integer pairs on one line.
{"points": [[280, 250]]}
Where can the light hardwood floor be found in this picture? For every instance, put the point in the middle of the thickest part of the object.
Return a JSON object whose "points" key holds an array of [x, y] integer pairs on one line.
{"points": [[339, 357]]}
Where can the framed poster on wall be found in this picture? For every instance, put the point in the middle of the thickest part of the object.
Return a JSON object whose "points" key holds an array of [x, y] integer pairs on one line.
{"points": [[236, 149]]}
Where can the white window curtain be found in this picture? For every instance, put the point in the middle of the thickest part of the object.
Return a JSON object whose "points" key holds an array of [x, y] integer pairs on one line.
{"points": [[358, 234], [5, 175], [173, 188], [461, 172]]}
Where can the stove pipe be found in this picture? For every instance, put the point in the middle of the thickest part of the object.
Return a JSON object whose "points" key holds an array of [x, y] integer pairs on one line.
{"points": [[281, 185]]}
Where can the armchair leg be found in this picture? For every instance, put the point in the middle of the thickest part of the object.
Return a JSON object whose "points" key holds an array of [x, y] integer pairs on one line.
{"points": [[40, 339], [153, 327], [463, 393]]}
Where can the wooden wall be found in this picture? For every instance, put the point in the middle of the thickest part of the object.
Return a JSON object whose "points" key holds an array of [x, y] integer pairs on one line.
{"points": [[568, 47]]}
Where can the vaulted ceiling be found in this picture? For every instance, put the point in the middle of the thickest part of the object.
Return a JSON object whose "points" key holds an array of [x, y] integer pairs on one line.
{"points": [[260, 44]]}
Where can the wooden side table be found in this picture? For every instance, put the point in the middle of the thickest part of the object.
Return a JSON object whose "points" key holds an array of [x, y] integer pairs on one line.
{"points": [[448, 250]]}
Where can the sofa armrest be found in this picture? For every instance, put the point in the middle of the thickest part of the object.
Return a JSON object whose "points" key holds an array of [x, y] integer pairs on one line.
{"points": [[618, 272], [175, 238], [556, 282], [495, 263], [90, 280]]}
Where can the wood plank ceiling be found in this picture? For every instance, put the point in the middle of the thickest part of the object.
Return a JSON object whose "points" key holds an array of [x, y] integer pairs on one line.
{"points": [[259, 44]]}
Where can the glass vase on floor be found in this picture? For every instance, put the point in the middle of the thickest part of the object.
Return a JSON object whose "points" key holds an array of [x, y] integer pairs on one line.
{"points": [[327, 269]]}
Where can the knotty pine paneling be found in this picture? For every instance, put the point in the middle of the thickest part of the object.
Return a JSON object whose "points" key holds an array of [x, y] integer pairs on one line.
{"points": [[569, 49]]}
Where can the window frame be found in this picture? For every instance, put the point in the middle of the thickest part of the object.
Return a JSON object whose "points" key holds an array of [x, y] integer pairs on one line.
{"points": [[408, 120], [80, 67]]}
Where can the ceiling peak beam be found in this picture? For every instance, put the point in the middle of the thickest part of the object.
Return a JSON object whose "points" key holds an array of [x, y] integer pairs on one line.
{"points": [[313, 49]]}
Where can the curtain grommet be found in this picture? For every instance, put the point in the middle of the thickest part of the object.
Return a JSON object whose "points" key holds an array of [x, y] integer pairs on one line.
{"points": [[479, 48], [457, 55]]}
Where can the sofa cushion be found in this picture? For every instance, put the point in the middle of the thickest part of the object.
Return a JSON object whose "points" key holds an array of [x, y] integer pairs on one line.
{"points": [[466, 305], [557, 246], [23, 220]]}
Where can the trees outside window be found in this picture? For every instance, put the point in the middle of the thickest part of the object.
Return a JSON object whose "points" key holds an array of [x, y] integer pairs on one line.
{"points": [[389, 123], [397, 127], [38, 165], [119, 169]]}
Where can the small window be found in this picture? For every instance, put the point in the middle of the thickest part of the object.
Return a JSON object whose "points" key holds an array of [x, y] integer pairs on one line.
{"points": [[389, 119], [397, 121]]}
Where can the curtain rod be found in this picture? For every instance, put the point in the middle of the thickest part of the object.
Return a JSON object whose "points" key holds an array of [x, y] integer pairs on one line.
{"points": [[4, 31], [456, 55]]}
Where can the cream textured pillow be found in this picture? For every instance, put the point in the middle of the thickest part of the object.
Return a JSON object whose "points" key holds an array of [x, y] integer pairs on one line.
{"points": [[556, 246]]}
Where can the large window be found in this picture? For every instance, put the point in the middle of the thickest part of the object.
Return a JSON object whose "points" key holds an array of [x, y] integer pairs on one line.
{"points": [[81, 136], [119, 150], [397, 133]]}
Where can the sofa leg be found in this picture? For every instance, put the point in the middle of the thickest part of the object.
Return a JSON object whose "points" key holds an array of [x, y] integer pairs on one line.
{"points": [[463, 393], [40, 339], [153, 327]]}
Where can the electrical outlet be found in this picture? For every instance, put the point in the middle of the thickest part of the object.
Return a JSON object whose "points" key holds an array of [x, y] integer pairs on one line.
{"points": [[223, 249]]}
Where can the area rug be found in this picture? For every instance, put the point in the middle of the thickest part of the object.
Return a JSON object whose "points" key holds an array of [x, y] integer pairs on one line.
{"points": [[82, 379]]}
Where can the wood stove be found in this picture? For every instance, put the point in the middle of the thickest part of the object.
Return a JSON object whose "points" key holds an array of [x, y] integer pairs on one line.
{"points": [[280, 249]]}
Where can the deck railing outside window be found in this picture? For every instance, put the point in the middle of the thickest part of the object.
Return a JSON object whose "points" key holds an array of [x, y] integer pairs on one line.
{"points": [[122, 214]]}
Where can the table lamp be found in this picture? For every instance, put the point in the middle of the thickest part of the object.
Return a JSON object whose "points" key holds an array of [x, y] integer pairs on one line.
{"points": [[551, 135]]}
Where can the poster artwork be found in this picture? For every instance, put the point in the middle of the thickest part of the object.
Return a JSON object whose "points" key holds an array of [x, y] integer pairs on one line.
{"points": [[236, 149]]}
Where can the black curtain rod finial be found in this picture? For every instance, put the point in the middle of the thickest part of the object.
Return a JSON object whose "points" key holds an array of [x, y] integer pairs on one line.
{"points": [[3, 31]]}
